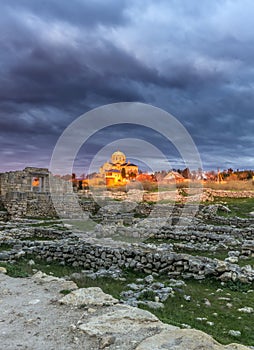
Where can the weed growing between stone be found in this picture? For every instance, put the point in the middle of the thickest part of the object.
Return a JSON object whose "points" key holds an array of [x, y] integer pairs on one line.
{"points": [[65, 291], [4, 247]]}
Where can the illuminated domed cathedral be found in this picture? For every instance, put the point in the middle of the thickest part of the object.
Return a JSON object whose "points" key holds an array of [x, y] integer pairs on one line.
{"points": [[118, 171]]}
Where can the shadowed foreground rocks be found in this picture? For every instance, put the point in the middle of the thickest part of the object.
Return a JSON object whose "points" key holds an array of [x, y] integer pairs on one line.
{"points": [[35, 315]]}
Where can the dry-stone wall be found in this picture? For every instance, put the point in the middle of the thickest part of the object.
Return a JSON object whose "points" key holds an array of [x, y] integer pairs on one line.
{"points": [[230, 194], [97, 254], [29, 204]]}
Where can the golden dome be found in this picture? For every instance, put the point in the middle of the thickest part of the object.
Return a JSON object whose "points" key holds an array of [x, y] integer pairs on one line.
{"points": [[118, 157]]}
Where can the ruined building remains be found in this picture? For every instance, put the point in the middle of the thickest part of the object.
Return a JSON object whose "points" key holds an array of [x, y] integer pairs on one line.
{"points": [[26, 193]]}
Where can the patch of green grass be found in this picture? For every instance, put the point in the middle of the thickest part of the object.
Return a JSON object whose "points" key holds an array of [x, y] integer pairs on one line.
{"points": [[237, 286], [14, 270], [54, 268], [147, 295], [126, 239], [21, 268], [5, 246], [248, 261], [82, 225], [240, 207], [178, 311], [107, 284], [65, 291]]}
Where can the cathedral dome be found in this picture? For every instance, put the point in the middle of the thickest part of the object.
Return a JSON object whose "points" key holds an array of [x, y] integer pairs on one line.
{"points": [[118, 157]]}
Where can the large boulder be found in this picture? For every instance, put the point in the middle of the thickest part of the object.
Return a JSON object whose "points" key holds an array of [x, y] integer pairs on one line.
{"points": [[182, 339], [121, 320]]}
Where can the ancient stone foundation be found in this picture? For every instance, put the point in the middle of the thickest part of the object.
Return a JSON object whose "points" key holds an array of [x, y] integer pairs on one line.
{"points": [[98, 254]]}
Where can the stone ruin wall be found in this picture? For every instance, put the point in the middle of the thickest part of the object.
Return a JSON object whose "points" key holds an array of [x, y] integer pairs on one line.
{"points": [[230, 194], [193, 195], [20, 199], [21, 181], [96, 255]]}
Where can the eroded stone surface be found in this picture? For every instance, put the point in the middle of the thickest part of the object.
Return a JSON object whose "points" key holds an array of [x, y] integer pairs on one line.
{"points": [[43, 278], [92, 296], [120, 319], [182, 339]]}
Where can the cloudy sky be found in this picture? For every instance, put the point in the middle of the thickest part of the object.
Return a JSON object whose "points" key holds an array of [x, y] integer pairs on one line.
{"points": [[60, 59]]}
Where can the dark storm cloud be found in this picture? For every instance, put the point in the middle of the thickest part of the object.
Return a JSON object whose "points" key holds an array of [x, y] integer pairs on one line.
{"points": [[59, 59], [79, 12], [61, 75]]}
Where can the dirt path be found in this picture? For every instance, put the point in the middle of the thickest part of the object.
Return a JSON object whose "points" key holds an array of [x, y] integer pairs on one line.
{"points": [[31, 318]]}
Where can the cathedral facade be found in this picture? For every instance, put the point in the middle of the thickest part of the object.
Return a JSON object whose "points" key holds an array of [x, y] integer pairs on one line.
{"points": [[118, 170]]}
